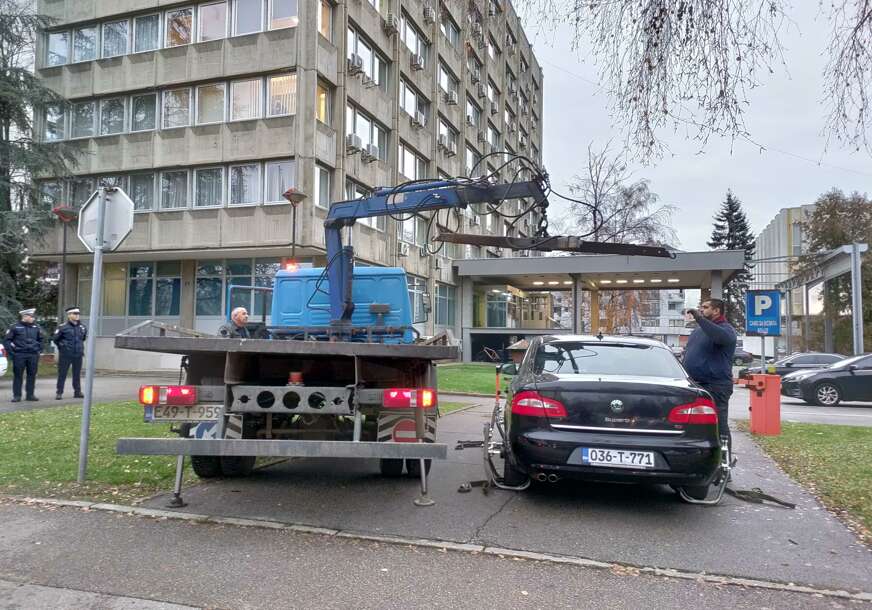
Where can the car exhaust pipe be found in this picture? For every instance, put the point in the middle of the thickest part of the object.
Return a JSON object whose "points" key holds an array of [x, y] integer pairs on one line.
{"points": [[541, 477], [553, 478]]}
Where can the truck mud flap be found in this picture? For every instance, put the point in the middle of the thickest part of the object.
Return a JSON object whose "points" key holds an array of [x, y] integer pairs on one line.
{"points": [[280, 448]]}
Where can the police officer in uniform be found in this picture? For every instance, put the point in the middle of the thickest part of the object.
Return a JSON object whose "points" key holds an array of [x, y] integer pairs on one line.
{"points": [[70, 338], [23, 343]]}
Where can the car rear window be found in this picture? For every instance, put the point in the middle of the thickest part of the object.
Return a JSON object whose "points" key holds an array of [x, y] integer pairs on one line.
{"points": [[606, 359]]}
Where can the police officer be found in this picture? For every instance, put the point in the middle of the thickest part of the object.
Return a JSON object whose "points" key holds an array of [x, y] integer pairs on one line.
{"points": [[23, 342], [70, 338]]}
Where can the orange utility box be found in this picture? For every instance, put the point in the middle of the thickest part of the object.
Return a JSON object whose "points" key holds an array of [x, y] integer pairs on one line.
{"points": [[765, 404]]}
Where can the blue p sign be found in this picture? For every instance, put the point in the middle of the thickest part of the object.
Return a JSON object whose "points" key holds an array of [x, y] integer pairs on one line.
{"points": [[763, 313]]}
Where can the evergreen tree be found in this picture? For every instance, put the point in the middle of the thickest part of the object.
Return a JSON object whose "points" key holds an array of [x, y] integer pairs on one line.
{"points": [[733, 232], [24, 155]]}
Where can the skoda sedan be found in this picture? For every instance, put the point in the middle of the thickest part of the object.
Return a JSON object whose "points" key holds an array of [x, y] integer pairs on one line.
{"points": [[609, 409]]}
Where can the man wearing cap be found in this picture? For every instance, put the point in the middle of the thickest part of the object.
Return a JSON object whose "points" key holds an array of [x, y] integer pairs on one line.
{"points": [[23, 343], [70, 338]]}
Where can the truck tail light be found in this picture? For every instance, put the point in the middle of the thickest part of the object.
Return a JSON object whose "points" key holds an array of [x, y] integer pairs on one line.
{"points": [[533, 404], [168, 395], [409, 398], [700, 411]]}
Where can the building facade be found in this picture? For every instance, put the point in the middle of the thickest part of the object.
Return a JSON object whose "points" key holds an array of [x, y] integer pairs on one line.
{"points": [[778, 246], [206, 112]]}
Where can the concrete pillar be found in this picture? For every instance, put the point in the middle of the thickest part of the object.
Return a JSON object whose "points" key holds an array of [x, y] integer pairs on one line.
{"points": [[576, 305], [594, 311], [789, 333], [857, 299], [187, 317], [466, 316], [717, 285], [806, 320]]}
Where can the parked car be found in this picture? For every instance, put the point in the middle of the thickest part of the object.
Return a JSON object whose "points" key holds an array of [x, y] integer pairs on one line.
{"points": [[848, 379], [3, 361], [741, 357], [794, 362], [609, 409]]}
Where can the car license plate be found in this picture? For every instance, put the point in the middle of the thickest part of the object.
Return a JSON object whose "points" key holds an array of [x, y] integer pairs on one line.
{"points": [[182, 412], [617, 458]]}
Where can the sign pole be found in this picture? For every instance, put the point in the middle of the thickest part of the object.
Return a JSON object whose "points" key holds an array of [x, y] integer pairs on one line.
{"points": [[857, 298], [93, 321]]}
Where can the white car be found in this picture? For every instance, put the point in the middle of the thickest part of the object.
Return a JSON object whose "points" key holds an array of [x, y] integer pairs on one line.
{"points": [[3, 361]]}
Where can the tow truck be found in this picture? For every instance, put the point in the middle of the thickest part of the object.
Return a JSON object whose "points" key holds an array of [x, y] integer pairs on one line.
{"points": [[339, 371]]}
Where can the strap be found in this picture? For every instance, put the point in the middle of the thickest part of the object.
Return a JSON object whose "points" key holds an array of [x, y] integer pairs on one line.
{"points": [[757, 496]]}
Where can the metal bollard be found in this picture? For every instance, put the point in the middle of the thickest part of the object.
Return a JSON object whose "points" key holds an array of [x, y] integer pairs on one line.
{"points": [[176, 501]]}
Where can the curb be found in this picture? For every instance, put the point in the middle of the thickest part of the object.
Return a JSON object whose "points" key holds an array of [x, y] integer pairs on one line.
{"points": [[622, 568]]}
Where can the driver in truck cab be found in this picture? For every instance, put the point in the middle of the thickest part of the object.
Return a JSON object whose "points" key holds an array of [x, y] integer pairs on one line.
{"points": [[235, 329]]}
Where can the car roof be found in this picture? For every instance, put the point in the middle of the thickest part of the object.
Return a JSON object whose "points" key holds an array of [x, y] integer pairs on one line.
{"points": [[625, 339]]}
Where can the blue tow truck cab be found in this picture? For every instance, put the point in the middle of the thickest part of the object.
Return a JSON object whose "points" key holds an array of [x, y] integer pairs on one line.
{"points": [[301, 300]]}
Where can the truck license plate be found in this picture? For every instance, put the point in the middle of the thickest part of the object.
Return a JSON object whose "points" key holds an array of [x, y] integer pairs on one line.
{"points": [[617, 458], [182, 412]]}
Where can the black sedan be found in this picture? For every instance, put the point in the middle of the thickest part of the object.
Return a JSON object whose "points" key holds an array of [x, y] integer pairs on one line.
{"points": [[795, 362], [609, 409], [849, 379]]}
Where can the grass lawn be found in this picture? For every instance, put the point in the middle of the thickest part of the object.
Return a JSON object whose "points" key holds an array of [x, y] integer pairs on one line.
{"points": [[39, 454], [469, 377], [835, 462]]}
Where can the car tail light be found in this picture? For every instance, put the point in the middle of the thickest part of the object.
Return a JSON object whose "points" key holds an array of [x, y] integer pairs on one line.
{"points": [[409, 398], [700, 411], [533, 404], [168, 395]]}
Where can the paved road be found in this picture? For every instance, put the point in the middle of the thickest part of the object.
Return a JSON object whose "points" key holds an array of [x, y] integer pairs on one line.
{"points": [[632, 524], [792, 409], [67, 558]]}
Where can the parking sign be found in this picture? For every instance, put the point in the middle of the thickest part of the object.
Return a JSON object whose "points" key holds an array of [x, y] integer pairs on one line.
{"points": [[763, 313]]}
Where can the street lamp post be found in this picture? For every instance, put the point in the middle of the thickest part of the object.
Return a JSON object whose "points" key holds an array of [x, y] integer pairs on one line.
{"points": [[295, 198], [66, 215]]}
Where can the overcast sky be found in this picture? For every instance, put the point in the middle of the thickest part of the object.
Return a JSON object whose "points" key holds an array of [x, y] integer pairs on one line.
{"points": [[786, 116]]}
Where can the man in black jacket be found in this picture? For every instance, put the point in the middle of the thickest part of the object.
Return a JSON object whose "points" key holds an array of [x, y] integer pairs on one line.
{"points": [[708, 358], [70, 338], [23, 343]]}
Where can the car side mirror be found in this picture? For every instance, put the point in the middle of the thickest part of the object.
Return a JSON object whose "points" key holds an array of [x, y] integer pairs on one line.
{"points": [[509, 369], [788, 364], [853, 368]]}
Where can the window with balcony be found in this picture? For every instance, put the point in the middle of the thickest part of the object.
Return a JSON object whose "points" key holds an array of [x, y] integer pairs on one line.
{"points": [[211, 21], [58, 49], [248, 17], [281, 95], [85, 44], [176, 108], [209, 187], [245, 99], [283, 14], [210, 103], [280, 176], [146, 33], [115, 37], [174, 190], [245, 184], [178, 26]]}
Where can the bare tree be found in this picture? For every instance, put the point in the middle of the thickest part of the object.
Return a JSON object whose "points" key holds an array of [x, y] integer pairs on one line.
{"points": [[689, 65]]}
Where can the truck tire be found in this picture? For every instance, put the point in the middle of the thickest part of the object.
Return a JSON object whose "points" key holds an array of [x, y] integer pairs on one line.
{"points": [[237, 465], [391, 468], [413, 467], [206, 466]]}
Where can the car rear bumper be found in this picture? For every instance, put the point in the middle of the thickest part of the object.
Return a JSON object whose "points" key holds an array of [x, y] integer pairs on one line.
{"points": [[678, 460]]}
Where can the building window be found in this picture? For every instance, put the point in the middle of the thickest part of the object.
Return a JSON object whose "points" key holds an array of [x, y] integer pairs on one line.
{"points": [[140, 289], [247, 16], [413, 39], [176, 108], [53, 124], [412, 165], [85, 44], [473, 161], [142, 191], [280, 176], [368, 130], [322, 187], [281, 95], [210, 288], [325, 20], [375, 66], [492, 50], [210, 103], [111, 116], [58, 49], [174, 190], [322, 104], [179, 25], [447, 80], [493, 137], [356, 191], [244, 184], [283, 14], [448, 132], [168, 288], [211, 21], [81, 190], [146, 33], [245, 99], [473, 113], [450, 30], [445, 304], [83, 119], [417, 290], [209, 187], [411, 101], [239, 274], [115, 35], [143, 112], [51, 193]]}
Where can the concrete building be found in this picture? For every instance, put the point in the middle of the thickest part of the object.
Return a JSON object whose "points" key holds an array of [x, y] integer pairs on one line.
{"points": [[205, 112], [779, 244]]}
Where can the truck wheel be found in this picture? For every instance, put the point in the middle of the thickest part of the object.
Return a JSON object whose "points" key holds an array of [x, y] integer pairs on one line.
{"points": [[206, 466], [391, 468], [237, 465], [413, 467]]}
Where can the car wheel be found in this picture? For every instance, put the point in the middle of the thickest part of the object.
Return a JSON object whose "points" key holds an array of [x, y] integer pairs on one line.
{"points": [[697, 492], [827, 395], [512, 476], [391, 467], [413, 467], [206, 466]]}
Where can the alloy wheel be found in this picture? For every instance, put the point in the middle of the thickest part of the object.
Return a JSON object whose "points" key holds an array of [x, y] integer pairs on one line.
{"points": [[827, 394]]}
